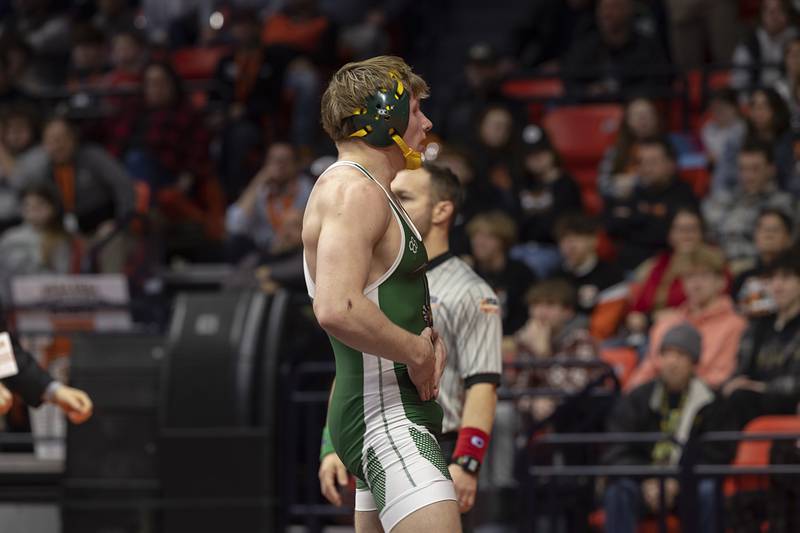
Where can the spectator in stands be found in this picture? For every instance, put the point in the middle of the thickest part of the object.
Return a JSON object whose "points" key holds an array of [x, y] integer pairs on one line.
{"points": [[758, 58], [724, 127], [114, 17], [282, 266], [365, 27], [255, 220], [731, 216], [602, 292], [250, 81], [659, 285], [773, 236], [551, 27], [768, 122], [164, 143], [788, 84], [299, 26], [676, 403], [95, 191], [491, 236], [40, 245], [707, 28], [619, 168], [45, 27], [128, 57], [19, 131], [547, 192], [10, 91], [495, 154], [17, 80], [615, 59], [478, 197], [708, 308], [640, 223], [767, 379], [468, 99], [89, 59], [554, 329]]}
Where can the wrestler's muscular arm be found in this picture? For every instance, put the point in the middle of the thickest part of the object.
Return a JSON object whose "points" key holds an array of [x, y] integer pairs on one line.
{"points": [[353, 217]]}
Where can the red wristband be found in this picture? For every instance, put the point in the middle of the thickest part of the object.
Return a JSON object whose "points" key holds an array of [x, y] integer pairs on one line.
{"points": [[472, 442]]}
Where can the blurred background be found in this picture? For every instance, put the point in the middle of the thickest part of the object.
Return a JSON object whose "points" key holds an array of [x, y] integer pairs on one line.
{"points": [[155, 161]]}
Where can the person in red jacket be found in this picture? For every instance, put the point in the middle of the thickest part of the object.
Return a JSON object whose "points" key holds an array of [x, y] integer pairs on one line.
{"points": [[164, 142]]}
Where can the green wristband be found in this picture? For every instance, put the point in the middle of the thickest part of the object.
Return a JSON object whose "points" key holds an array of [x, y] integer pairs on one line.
{"points": [[326, 447]]}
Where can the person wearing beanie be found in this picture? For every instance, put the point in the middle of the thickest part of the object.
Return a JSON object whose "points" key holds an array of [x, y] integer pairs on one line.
{"points": [[677, 404], [708, 308]]}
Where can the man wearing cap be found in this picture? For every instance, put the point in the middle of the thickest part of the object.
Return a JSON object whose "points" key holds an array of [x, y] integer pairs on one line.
{"points": [[677, 404]]}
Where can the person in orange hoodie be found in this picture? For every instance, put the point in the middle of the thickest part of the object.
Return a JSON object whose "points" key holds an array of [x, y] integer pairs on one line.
{"points": [[708, 308]]}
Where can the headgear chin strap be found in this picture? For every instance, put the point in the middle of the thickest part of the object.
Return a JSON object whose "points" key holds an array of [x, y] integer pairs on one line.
{"points": [[413, 158], [384, 119]]}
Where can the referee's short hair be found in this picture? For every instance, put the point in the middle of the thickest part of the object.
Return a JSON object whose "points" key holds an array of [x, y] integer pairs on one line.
{"points": [[553, 291], [445, 186]]}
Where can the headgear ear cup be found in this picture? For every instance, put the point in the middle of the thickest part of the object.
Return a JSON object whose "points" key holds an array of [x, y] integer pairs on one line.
{"points": [[384, 119]]}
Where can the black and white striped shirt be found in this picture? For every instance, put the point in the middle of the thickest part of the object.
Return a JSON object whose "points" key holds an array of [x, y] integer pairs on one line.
{"points": [[466, 314]]}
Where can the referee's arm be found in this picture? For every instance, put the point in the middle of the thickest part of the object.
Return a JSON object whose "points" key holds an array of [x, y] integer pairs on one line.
{"points": [[480, 357]]}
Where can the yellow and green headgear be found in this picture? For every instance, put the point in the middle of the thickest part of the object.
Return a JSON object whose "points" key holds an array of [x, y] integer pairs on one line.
{"points": [[383, 120]]}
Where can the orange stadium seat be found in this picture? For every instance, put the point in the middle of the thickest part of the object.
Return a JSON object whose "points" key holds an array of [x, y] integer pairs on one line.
{"points": [[198, 63], [581, 134], [623, 360], [534, 88], [756, 452], [597, 521], [718, 79]]}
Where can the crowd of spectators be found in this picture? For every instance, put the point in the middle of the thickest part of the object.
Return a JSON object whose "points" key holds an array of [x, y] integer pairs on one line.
{"points": [[105, 121]]}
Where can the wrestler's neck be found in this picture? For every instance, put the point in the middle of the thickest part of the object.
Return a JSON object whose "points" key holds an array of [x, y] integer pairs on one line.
{"points": [[382, 163]]}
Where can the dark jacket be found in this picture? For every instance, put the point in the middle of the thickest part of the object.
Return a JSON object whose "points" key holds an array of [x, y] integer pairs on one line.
{"points": [[772, 356], [31, 381], [638, 412], [265, 94], [542, 204], [641, 223], [637, 65]]}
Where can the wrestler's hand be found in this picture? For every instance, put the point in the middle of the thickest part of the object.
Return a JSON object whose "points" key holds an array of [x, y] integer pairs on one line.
{"points": [[466, 486], [6, 399], [440, 353], [331, 472], [75, 403], [425, 373]]}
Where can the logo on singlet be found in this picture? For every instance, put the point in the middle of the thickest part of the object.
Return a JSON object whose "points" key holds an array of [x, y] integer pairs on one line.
{"points": [[427, 315], [413, 245]]}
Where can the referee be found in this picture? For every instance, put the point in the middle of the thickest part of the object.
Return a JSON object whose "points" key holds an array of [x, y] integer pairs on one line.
{"points": [[466, 315]]}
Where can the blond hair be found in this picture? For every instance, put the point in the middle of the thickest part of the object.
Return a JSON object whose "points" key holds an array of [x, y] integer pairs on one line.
{"points": [[497, 224], [705, 259], [355, 82]]}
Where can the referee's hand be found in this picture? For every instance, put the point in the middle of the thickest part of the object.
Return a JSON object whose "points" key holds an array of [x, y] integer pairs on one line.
{"points": [[332, 475]]}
